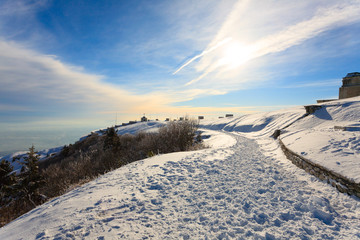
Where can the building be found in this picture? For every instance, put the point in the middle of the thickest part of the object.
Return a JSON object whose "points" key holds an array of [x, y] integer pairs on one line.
{"points": [[351, 86], [144, 119]]}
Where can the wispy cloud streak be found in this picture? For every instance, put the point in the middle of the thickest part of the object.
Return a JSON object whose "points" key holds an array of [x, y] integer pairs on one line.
{"points": [[325, 19], [306, 27], [45, 83], [323, 83], [219, 44]]}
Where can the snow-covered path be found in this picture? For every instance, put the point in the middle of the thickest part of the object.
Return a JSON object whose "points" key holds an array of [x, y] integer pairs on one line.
{"points": [[231, 192]]}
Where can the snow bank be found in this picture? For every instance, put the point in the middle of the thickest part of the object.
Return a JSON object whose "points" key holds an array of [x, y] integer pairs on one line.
{"points": [[216, 139], [43, 154], [140, 127], [314, 136], [258, 124], [231, 192]]}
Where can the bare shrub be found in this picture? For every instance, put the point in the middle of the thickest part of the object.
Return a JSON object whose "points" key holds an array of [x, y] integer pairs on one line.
{"points": [[178, 136], [13, 210], [96, 155]]}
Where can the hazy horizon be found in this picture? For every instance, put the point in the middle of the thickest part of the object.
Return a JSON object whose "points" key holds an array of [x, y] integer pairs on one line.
{"points": [[40, 139]]}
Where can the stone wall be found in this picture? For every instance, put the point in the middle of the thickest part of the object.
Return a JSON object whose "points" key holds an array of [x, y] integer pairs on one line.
{"points": [[348, 92], [338, 181], [310, 109], [347, 128], [351, 86], [325, 100]]}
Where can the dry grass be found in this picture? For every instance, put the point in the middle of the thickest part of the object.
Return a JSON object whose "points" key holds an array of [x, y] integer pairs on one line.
{"points": [[95, 155]]}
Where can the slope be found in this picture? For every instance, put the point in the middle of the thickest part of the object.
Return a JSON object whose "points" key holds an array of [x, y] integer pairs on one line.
{"points": [[229, 191], [314, 136]]}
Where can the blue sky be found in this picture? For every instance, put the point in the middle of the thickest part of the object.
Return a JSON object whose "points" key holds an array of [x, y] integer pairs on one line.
{"points": [[67, 67]]}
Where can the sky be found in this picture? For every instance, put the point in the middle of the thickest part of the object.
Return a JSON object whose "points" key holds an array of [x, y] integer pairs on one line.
{"points": [[69, 67]]}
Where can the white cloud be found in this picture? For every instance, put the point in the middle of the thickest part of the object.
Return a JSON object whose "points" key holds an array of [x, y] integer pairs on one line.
{"points": [[321, 83], [43, 83], [263, 28], [28, 73], [325, 19], [13, 107], [217, 45], [20, 7], [253, 29]]}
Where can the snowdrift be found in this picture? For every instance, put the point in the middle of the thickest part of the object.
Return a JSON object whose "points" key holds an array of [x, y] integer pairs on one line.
{"points": [[239, 188], [319, 136]]}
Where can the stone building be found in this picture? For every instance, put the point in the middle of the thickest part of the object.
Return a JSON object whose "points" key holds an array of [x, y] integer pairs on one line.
{"points": [[144, 119], [351, 86]]}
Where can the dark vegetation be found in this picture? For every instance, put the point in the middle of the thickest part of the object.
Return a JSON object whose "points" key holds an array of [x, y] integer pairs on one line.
{"points": [[83, 161]]}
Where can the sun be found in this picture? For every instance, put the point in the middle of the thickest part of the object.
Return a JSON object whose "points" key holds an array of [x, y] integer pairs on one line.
{"points": [[235, 54]]}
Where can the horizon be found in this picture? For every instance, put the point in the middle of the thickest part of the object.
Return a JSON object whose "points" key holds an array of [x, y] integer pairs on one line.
{"points": [[70, 67]]}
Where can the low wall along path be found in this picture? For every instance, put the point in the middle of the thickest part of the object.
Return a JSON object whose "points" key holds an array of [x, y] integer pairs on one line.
{"points": [[341, 183]]}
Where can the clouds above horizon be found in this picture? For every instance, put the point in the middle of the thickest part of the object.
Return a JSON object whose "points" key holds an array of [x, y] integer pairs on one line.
{"points": [[157, 58], [44, 78], [250, 32], [46, 84]]}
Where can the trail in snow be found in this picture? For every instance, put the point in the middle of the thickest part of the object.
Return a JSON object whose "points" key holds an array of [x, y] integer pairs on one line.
{"points": [[225, 193]]}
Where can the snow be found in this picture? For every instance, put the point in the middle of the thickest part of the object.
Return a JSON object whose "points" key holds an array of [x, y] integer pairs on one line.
{"points": [[216, 139], [136, 127], [140, 127], [314, 136], [43, 154], [150, 126], [241, 187], [233, 191]]}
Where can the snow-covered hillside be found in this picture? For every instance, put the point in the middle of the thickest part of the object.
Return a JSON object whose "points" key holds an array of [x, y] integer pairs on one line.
{"points": [[314, 136], [242, 187], [229, 191], [44, 154]]}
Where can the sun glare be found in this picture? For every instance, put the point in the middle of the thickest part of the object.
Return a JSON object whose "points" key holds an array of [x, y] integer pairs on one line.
{"points": [[235, 54]]}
